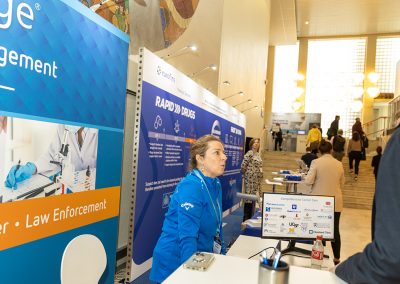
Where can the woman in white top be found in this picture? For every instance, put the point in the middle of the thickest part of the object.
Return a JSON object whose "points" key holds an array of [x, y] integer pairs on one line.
{"points": [[326, 176]]}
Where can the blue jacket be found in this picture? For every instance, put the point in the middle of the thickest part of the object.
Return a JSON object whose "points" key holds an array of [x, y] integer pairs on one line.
{"points": [[380, 260], [190, 224]]}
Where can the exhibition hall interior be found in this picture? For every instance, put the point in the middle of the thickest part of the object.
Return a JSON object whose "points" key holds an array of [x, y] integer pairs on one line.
{"points": [[199, 141]]}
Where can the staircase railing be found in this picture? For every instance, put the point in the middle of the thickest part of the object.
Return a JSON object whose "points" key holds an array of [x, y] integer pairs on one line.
{"points": [[373, 129], [393, 111]]}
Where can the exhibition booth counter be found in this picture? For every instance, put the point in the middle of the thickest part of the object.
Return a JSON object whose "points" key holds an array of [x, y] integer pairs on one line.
{"points": [[237, 268]]}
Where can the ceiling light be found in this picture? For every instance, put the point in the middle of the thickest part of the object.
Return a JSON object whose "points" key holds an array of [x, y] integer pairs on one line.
{"points": [[373, 77], [226, 83], [212, 67], [192, 47], [248, 101], [254, 107], [373, 92], [306, 22], [239, 93]]}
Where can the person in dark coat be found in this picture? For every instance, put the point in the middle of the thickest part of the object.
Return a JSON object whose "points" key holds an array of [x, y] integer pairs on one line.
{"points": [[277, 135], [333, 129], [357, 127], [308, 157], [380, 261], [376, 160]]}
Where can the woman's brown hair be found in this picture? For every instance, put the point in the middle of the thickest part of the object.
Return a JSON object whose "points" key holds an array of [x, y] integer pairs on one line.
{"points": [[199, 148]]}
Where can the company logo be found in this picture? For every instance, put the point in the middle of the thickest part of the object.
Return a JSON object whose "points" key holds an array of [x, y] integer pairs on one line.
{"points": [[282, 216], [293, 224], [187, 205], [164, 74], [23, 13], [268, 209], [216, 128], [294, 206], [291, 230], [328, 203]]}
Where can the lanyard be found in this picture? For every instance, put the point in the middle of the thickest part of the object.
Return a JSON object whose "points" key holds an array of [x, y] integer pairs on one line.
{"points": [[212, 202]]}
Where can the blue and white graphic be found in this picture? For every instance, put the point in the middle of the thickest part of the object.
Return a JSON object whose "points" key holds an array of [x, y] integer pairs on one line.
{"points": [[182, 112], [70, 61], [64, 64]]}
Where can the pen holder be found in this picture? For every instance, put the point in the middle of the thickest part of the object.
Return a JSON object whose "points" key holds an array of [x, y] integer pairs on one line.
{"points": [[268, 274]]}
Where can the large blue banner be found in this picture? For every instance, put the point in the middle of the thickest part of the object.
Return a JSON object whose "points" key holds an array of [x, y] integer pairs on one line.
{"points": [[59, 60], [62, 68], [168, 124], [174, 113]]}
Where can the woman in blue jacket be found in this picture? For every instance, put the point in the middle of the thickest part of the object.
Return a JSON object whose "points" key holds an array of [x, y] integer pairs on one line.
{"points": [[194, 218]]}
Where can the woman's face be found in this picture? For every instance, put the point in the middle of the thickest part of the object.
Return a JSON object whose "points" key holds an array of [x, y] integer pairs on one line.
{"points": [[212, 164], [256, 145]]}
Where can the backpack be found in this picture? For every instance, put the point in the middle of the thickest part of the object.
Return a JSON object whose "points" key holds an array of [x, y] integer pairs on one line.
{"points": [[338, 143]]}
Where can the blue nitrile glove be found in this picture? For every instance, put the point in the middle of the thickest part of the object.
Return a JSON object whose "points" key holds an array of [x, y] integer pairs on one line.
{"points": [[19, 173]]}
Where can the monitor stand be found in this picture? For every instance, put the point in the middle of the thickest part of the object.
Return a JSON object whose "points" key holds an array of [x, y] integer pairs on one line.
{"points": [[292, 248]]}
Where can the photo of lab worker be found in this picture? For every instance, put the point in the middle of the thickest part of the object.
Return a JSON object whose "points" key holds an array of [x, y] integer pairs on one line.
{"points": [[69, 162]]}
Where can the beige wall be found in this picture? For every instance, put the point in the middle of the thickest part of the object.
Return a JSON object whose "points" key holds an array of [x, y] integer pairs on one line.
{"points": [[243, 60]]}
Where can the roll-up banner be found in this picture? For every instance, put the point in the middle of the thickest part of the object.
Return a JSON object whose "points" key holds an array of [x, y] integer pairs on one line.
{"points": [[173, 111], [62, 102]]}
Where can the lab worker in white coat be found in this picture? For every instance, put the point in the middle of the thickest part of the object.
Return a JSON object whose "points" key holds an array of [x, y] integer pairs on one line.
{"points": [[82, 153]]}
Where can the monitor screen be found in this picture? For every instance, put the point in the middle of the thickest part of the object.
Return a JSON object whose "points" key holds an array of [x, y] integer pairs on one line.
{"points": [[297, 216], [301, 132]]}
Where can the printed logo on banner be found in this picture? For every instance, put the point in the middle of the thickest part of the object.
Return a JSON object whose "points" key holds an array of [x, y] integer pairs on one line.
{"points": [[216, 128], [166, 75]]}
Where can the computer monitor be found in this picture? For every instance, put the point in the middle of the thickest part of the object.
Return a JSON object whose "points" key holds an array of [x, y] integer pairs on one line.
{"points": [[297, 216]]}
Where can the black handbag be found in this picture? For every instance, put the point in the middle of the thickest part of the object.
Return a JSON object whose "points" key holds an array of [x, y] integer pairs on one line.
{"points": [[363, 156]]}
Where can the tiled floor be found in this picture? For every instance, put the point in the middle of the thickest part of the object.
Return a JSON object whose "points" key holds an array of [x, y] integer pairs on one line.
{"points": [[355, 231]]}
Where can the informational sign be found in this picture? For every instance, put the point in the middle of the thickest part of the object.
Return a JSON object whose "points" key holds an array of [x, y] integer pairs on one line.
{"points": [[175, 111], [62, 102], [295, 123], [289, 216]]}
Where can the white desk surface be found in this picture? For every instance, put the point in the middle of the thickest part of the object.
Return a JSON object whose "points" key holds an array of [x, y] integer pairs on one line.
{"points": [[246, 246], [236, 270]]}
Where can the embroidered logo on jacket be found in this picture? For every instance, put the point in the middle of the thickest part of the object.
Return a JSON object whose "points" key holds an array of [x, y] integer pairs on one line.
{"points": [[187, 205]]}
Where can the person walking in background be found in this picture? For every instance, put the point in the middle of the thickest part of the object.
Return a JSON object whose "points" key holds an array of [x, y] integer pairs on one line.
{"points": [[376, 160], [313, 138], [308, 157], [357, 127], [338, 143], [277, 135], [326, 176], [252, 171], [194, 218], [354, 153], [333, 129]]}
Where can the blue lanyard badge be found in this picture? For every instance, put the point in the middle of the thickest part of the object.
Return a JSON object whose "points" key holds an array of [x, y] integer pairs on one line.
{"points": [[218, 216]]}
